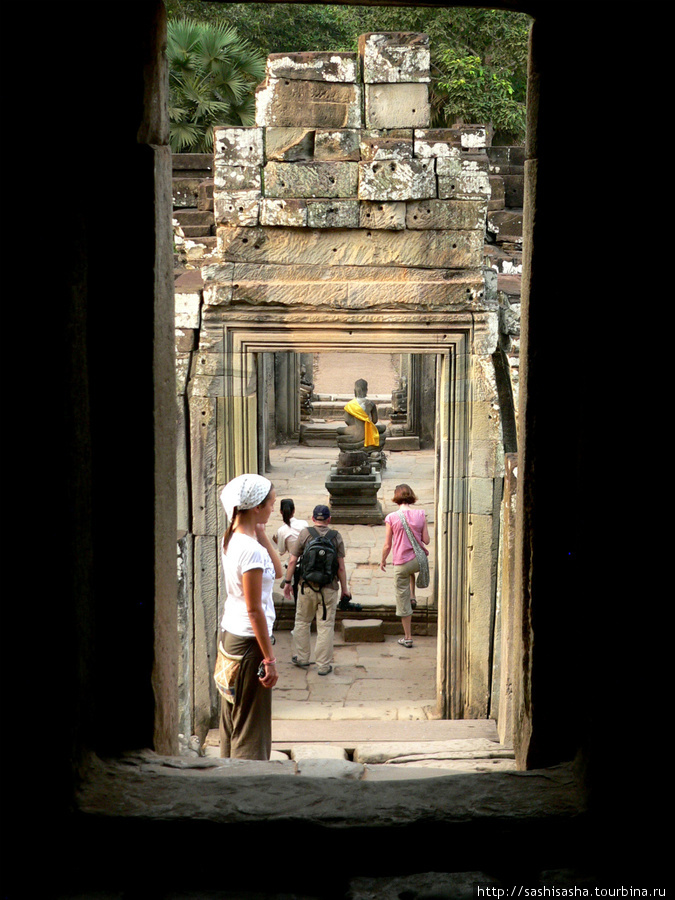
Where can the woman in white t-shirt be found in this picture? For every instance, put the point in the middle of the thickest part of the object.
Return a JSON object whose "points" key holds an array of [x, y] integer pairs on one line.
{"points": [[291, 528], [250, 566], [288, 532]]}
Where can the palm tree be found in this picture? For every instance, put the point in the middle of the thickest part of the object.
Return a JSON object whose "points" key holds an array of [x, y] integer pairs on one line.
{"points": [[212, 78]]}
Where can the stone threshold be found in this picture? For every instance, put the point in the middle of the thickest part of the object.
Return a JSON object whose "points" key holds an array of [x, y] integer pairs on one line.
{"points": [[335, 792]]}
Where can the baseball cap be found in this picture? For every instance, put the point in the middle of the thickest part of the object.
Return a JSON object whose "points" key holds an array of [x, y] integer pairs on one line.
{"points": [[320, 513]]}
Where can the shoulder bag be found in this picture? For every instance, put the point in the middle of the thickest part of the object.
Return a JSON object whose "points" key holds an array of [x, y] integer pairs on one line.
{"points": [[422, 580]]}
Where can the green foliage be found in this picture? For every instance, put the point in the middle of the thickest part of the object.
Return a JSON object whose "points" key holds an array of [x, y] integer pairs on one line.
{"points": [[474, 93], [494, 87], [212, 79]]}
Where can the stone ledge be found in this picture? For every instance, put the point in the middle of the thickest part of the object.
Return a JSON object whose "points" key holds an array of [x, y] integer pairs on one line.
{"points": [[146, 786]]}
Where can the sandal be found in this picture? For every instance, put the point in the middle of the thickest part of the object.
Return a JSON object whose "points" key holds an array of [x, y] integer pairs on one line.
{"points": [[405, 643]]}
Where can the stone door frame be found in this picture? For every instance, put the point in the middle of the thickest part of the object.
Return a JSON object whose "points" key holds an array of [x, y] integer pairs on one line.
{"points": [[241, 335]]}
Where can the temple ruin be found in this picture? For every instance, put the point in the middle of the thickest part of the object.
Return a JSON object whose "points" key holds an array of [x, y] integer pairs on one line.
{"points": [[343, 222]]}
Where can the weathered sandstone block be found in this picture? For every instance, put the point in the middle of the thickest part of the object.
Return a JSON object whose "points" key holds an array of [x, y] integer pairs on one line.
{"points": [[236, 209], [192, 165], [217, 273], [231, 179], [337, 144], [429, 249], [506, 224], [514, 190], [311, 179], [343, 287], [333, 214], [185, 192], [234, 146], [363, 630], [396, 143], [397, 106], [289, 144], [314, 66], [437, 142], [187, 309], [205, 195], [282, 102], [497, 194], [217, 295], [392, 179], [446, 214], [457, 179], [393, 57], [291, 213], [303, 288], [473, 137], [374, 214]]}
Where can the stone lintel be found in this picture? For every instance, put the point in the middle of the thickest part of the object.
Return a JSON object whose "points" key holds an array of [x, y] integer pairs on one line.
{"points": [[353, 288], [346, 296], [335, 248]]}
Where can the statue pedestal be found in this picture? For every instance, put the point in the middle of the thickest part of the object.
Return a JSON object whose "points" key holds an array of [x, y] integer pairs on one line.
{"points": [[353, 497]]}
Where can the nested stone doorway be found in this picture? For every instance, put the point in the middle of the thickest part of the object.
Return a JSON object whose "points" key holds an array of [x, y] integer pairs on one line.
{"points": [[225, 440]]}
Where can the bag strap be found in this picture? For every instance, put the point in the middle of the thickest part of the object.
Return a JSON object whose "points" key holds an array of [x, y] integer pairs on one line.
{"points": [[411, 537]]}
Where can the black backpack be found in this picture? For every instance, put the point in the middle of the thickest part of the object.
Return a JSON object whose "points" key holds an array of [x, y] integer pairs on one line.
{"points": [[318, 564]]}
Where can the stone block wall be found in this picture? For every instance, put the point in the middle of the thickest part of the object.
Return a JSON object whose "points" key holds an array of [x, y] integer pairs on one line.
{"points": [[342, 150]]}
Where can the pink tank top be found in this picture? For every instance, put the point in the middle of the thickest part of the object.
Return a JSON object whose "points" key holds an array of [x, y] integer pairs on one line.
{"points": [[402, 551]]}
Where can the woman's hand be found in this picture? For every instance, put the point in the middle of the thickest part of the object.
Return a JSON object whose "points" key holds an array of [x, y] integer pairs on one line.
{"points": [[271, 675], [383, 565]]}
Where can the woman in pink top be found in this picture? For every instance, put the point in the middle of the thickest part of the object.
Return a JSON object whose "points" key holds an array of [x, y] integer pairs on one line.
{"points": [[405, 562]]}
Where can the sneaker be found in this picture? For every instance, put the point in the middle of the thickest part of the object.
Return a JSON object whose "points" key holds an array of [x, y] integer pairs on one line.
{"points": [[296, 662], [325, 670]]}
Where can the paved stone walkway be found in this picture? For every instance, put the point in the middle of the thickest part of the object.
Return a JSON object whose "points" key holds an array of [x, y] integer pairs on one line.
{"points": [[379, 702], [300, 473]]}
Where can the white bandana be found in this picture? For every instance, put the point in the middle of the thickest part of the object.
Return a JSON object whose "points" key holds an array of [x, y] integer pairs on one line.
{"points": [[244, 492]]}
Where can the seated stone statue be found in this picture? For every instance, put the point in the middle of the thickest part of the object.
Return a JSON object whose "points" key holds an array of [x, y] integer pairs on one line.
{"points": [[399, 401], [361, 431]]}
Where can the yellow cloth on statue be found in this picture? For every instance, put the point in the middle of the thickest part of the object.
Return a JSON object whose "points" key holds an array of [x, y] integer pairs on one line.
{"points": [[371, 435]]}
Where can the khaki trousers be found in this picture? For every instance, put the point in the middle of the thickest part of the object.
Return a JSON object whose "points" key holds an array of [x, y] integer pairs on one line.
{"points": [[309, 607]]}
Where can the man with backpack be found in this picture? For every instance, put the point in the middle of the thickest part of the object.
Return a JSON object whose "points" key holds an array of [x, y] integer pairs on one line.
{"points": [[319, 554]]}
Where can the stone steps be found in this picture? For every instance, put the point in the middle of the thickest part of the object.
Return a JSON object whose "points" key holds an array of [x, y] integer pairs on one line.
{"points": [[451, 745]]}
